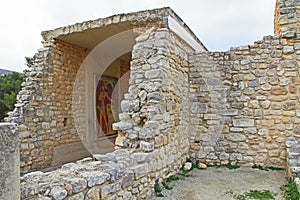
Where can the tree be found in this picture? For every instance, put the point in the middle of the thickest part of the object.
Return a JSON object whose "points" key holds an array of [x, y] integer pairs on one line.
{"points": [[10, 85]]}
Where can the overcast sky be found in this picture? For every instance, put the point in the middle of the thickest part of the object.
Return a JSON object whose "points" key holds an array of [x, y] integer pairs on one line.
{"points": [[219, 24]]}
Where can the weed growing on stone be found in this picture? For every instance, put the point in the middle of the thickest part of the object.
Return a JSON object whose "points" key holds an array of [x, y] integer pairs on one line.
{"points": [[166, 185], [266, 168], [215, 164], [255, 194], [158, 190], [232, 166], [184, 172], [275, 168], [255, 166], [290, 190], [172, 178]]}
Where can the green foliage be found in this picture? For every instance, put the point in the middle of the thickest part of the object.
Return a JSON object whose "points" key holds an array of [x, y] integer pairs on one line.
{"points": [[255, 194], [232, 166], [275, 168], [166, 185], [255, 166], [29, 60], [172, 178], [290, 190], [215, 164], [10, 85], [266, 168], [158, 190], [185, 172]]}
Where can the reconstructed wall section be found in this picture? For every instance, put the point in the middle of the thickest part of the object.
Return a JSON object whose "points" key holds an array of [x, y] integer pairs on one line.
{"points": [[246, 102]]}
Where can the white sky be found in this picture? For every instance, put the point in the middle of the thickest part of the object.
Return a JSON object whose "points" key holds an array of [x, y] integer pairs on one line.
{"points": [[219, 24]]}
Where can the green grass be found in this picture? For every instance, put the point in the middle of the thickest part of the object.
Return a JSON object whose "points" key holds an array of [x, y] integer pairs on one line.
{"points": [[165, 182], [231, 166], [158, 190], [172, 178], [255, 194], [275, 168], [215, 164], [290, 190], [266, 168], [166, 185]]}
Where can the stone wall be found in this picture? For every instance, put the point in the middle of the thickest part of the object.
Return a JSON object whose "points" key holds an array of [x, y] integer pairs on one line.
{"points": [[287, 17], [44, 104], [247, 102], [151, 142], [9, 162], [239, 106]]}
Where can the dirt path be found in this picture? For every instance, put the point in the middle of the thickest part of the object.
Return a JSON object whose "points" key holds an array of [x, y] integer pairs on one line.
{"points": [[222, 183]]}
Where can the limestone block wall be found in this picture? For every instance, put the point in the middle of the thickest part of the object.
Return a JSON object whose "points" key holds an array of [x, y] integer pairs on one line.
{"points": [[43, 107], [287, 17], [151, 142], [9, 162], [258, 102], [152, 113]]}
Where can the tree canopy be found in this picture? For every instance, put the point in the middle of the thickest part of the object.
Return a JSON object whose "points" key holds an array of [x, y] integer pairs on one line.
{"points": [[10, 85]]}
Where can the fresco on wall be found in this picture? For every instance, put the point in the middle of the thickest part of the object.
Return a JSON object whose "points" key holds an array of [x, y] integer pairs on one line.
{"points": [[105, 105]]}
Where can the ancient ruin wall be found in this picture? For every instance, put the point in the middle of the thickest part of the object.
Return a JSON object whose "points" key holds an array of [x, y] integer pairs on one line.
{"points": [[259, 109], [154, 111], [151, 143], [43, 107]]}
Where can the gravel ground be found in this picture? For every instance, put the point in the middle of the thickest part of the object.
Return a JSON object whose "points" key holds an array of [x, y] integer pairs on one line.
{"points": [[221, 183]]}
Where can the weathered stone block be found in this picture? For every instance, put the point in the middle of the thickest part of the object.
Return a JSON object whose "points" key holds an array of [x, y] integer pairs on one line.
{"points": [[58, 193], [288, 49], [231, 112], [93, 194], [198, 107], [235, 137], [250, 130], [243, 122], [274, 153], [147, 146], [95, 178], [141, 157], [152, 74], [279, 91], [122, 126]]}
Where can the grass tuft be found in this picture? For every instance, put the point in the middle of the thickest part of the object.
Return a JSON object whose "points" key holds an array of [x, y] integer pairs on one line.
{"points": [[290, 190], [158, 190], [255, 194]]}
